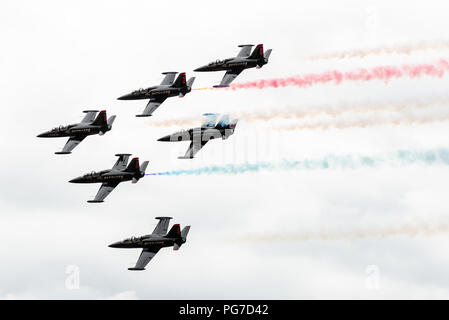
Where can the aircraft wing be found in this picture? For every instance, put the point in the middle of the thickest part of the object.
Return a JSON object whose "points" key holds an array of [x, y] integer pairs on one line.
{"points": [[152, 105], [162, 226], [121, 162], [229, 76], [245, 51], [105, 189], [194, 147], [90, 116], [71, 144], [169, 78], [145, 256]]}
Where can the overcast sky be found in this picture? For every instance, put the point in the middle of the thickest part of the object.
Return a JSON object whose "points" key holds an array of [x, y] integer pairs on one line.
{"points": [[60, 58]]}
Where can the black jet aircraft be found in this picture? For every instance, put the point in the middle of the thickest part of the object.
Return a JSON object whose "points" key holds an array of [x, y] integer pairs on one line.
{"points": [[158, 94], [110, 178], [234, 66], [152, 243], [77, 132], [210, 129]]}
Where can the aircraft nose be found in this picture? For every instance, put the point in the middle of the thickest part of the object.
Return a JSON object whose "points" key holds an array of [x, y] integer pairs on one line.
{"points": [[76, 180], [125, 97], [203, 68], [43, 135], [166, 138], [115, 244]]}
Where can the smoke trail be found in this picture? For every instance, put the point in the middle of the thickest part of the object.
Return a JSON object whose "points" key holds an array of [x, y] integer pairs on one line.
{"points": [[385, 73], [409, 230], [206, 88], [365, 121], [292, 113], [398, 158], [395, 49]]}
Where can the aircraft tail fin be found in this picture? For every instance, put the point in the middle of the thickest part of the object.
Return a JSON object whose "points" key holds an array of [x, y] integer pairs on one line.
{"points": [[175, 232], [100, 119], [180, 81], [133, 166], [180, 241], [258, 52]]}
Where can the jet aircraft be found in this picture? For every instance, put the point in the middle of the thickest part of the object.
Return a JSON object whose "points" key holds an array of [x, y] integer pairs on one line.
{"points": [[210, 129], [152, 243], [110, 178], [158, 94], [234, 66], [91, 124]]}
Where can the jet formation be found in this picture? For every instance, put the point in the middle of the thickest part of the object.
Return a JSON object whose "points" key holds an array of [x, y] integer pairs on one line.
{"points": [[234, 66], [110, 178], [158, 94], [210, 129], [91, 124], [152, 243], [96, 122]]}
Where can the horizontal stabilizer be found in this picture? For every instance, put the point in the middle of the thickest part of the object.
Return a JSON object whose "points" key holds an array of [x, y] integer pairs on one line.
{"points": [[95, 201], [185, 231], [221, 86], [184, 157], [63, 152], [267, 53], [144, 166], [143, 115], [136, 269], [111, 120], [190, 81]]}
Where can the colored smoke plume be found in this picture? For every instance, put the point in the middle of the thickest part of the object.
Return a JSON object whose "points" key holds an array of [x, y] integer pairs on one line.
{"points": [[384, 73], [399, 158]]}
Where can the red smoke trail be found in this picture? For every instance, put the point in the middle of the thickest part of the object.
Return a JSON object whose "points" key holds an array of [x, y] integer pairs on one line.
{"points": [[385, 73]]}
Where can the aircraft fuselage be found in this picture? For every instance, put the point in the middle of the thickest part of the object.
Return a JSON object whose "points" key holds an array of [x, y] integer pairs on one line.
{"points": [[147, 241], [199, 134], [155, 92], [74, 130], [106, 176], [233, 63]]}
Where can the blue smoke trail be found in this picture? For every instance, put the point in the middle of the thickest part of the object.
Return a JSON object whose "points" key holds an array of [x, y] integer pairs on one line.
{"points": [[398, 158]]}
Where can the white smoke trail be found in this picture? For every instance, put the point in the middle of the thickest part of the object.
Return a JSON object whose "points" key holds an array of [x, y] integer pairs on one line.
{"points": [[409, 230], [406, 49], [307, 112], [367, 120]]}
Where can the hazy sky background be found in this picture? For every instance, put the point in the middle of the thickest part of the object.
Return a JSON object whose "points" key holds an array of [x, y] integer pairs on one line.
{"points": [[59, 58]]}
